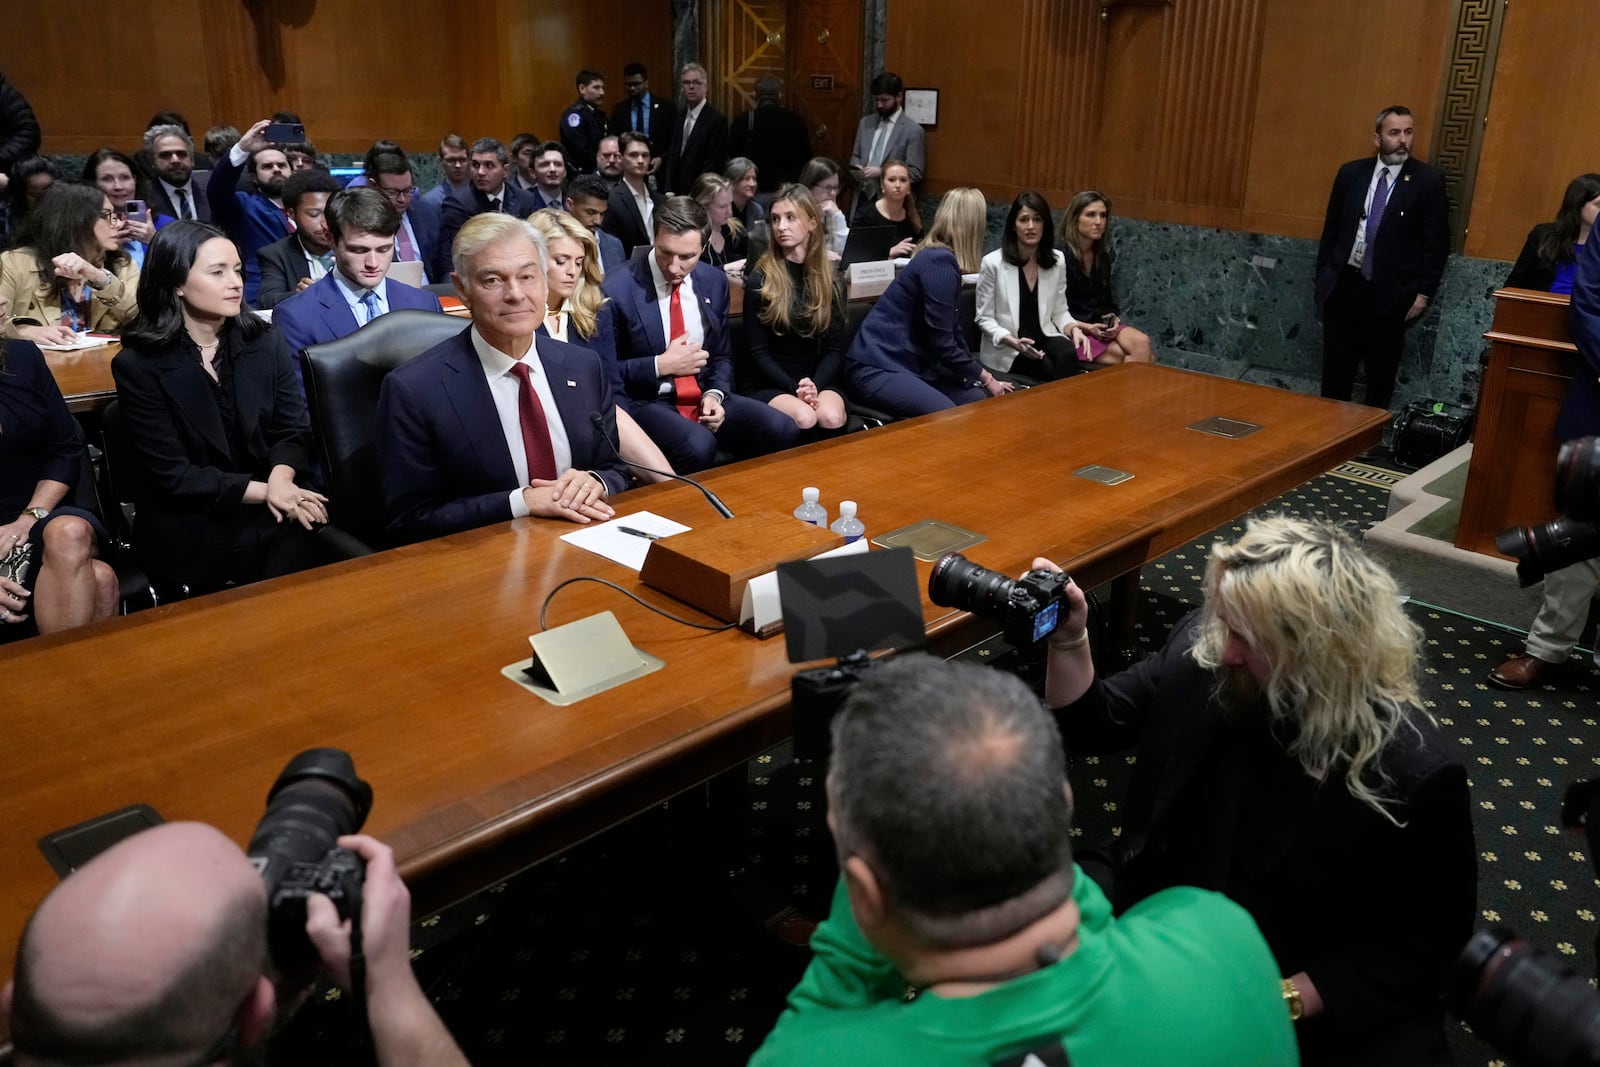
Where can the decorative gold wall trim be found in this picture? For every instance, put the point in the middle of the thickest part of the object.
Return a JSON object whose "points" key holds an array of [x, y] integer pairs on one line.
{"points": [[1464, 105]]}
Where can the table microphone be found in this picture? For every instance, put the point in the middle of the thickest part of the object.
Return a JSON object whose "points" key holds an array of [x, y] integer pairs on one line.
{"points": [[599, 422]]}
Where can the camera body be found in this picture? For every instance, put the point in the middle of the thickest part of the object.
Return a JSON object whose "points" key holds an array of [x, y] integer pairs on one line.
{"points": [[1564, 541], [1026, 608], [815, 695]]}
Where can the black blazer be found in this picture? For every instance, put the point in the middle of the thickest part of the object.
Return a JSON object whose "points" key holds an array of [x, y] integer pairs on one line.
{"points": [[775, 139], [283, 266], [1375, 913], [161, 203], [706, 150], [457, 208], [623, 220], [1530, 271], [663, 117], [1413, 240]]}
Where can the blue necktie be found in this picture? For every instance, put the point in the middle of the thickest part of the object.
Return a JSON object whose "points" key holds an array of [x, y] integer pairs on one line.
{"points": [[369, 301], [1380, 200]]}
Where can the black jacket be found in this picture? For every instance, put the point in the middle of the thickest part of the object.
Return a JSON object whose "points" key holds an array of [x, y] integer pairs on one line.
{"points": [[1413, 240], [19, 128]]}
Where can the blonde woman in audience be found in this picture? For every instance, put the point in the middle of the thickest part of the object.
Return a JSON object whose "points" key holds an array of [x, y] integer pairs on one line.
{"points": [[822, 176], [1086, 240], [794, 317], [728, 243], [69, 274], [909, 357], [574, 302], [1022, 309], [895, 207]]}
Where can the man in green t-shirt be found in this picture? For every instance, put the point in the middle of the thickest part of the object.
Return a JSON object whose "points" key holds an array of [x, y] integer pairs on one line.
{"points": [[962, 932]]}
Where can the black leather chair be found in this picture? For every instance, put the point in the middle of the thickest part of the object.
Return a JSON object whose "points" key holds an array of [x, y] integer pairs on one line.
{"points": [[342, 381], [442, 289]]}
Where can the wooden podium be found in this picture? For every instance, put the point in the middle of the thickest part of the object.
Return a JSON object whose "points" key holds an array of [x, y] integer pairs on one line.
{"points": [[1531, 359]]}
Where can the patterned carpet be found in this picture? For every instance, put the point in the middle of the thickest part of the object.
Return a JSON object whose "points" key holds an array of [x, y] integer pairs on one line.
{"points": [[641, 947]]}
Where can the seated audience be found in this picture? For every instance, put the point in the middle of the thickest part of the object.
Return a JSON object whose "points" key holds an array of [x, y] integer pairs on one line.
{"points": [[28, 181], [217, 422], [608, 160], [1549, 257], [744, 181], [417, 239], [728, 244], [633, 203], [219, 140], [113, 172], [41, 458], [290, 266], [1285, 759], [303, 156], [174, 194], [494, 423], [361, 229], [490, 190], [822, 176], [909, 357], [670, 318], [1023, 316], [589, 200], [1086, 241], [454, 171], [794, 318], [69, 273], [575, 312], [522, 149], [962, 932], [549, 177], [184, 975], [895, 207], [253, 219]]}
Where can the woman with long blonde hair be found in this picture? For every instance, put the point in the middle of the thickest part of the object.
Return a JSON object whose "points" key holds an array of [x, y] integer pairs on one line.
{"points": [[575, 313], [794, 317], [910, 356], [728, 242]]}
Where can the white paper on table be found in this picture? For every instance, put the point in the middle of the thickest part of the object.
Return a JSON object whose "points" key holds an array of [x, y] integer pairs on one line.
{"points": [[607, 539], [82, 341], [762, 606]]}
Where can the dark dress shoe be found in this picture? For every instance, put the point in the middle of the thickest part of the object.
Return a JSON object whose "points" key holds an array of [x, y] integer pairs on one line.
{"points": [[1524, 672]]}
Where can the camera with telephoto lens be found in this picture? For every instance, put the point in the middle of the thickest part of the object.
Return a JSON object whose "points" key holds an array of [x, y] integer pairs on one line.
{"points": [[1575, 536], [1027, 608], [317, 799], [1525, 1002]]}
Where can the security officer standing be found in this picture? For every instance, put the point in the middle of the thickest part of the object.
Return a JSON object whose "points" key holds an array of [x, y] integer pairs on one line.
{"points": [[584, 123]]}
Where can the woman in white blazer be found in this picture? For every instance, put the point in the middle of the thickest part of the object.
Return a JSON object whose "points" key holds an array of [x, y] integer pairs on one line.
{"points": [[1023, 316]]}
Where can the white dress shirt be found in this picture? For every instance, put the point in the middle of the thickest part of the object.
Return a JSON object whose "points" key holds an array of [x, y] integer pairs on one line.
{"points": [[506, 390], [172, 197]]}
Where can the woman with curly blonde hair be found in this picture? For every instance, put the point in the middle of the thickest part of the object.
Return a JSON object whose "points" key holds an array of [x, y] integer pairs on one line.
{"points": [[1286, 758]]}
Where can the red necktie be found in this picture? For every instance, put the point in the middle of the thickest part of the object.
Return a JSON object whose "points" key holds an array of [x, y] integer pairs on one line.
{"points": [[535, 430], [685, 386]]}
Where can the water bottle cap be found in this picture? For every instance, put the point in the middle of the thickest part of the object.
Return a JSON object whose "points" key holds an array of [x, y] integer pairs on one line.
{"points": [[847, 508], [810, 494]]}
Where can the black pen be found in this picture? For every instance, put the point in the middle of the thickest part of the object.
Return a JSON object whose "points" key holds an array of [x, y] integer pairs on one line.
{"points": [[639, 533]]}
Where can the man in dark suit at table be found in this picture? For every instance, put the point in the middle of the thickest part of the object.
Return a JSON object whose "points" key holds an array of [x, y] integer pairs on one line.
{"points": [[588, 201], [490, 190], [417, 239], [175, 192], [887, 133], [1384, 245], [362, 225], [291, 265], [670, 319], [497, 422], [699, 135], [1569, 591], [644, 112], [632, 203], [253, 219]]}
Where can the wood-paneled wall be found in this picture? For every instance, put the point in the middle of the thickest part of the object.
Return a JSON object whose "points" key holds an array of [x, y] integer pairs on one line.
{"points": [[354, 70]]}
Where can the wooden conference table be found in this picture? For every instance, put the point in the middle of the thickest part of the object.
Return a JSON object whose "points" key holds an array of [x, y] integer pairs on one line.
{"points": [[195, 707]]}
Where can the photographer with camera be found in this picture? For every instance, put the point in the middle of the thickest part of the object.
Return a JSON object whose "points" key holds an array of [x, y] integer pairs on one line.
{"points": [[961, 931], [1285, 759]]}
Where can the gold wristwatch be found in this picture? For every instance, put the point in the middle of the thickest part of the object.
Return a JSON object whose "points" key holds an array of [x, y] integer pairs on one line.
{"points": [[1291, 1000]]}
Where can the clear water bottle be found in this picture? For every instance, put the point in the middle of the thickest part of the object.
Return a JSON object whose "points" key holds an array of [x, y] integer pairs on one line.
{"points": [[811, 511], [847, 524]]}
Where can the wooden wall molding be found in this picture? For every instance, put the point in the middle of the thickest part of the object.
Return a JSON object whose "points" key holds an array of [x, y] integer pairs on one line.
{"points": [[1464, 105]]}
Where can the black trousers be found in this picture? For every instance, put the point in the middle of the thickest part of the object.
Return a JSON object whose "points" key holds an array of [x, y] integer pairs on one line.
{"points": [[1060, 360], [1355, 334]]}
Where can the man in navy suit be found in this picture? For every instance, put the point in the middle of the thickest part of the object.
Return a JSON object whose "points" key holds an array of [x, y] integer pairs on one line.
{"points": [[670, 319], [454, 171], [550, 177], [631, 203], [588, 201], [1384, 245], [362, 225], [1568, 591], [497, 422], [490, 190], [699, 135], [291, 265], [417, 239], [644, 112], [253, 220]]}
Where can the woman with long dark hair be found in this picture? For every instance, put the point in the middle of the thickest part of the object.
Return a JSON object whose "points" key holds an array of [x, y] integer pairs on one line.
{"points": [[122, 182], [1549, 257], [41, 457], [1023, 315], [1086, 240], [68, 274], [217, 420], [794, 317]]}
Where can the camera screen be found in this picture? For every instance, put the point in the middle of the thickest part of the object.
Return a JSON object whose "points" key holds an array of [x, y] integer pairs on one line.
{"points": [[1045, 621]]}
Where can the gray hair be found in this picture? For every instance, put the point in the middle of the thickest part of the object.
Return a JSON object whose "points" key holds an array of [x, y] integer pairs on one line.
{"points": [[489, 144], [489, 228], [155, 133]]}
